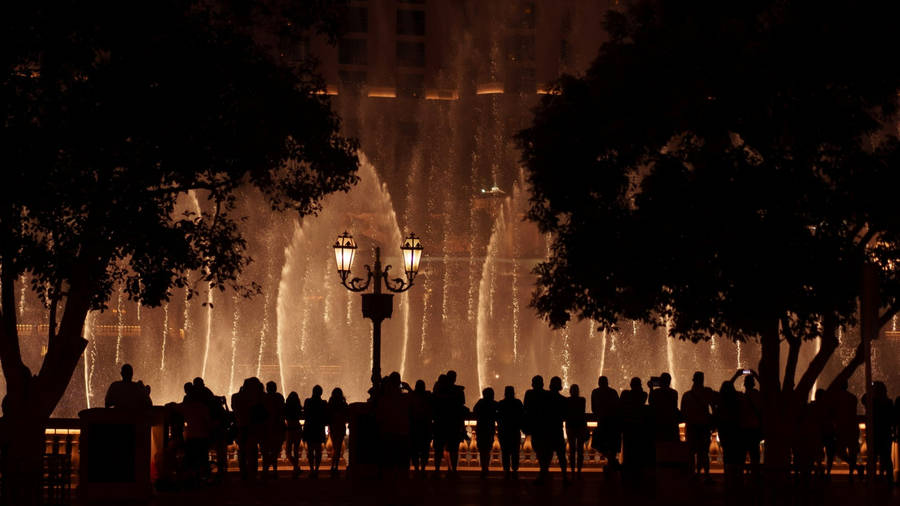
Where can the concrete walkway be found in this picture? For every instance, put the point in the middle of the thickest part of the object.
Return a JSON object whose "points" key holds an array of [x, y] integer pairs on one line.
{"points": [[668, 487]]}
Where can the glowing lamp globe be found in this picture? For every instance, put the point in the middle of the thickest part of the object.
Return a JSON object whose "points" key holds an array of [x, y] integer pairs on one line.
{"points": [[412, 255], [344, 252]]}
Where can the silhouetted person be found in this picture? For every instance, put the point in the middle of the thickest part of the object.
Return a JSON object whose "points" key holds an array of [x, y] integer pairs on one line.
{"points": [[458, 391], [197, 431], [420, 425], [221, 433], [337, 426], [315, 409], [751, 421], [537, 402], [823, 417], [843, 407], [485, 412], [607, 437], [510, 416], [663, 400], [727, 413], [250, 418], [449, 422], [634, 433], [555, 417], [576, 428], [274, 433], [392, 414], [197, 391], [127, 394], [293, 411], [882, 419], [241, 410], [806, 441], [695, 407], [203, 393]]}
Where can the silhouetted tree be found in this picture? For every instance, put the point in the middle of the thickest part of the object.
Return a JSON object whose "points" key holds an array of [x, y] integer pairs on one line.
{"points": [[114, 110], [726, 166]]}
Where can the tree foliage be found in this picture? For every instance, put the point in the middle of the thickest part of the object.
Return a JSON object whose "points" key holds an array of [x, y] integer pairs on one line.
{"points": [[729, 166], [114, 112], [723, 162]]}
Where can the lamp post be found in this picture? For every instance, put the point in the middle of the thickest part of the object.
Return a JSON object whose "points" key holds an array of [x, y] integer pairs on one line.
{"points": [[377, 306]]}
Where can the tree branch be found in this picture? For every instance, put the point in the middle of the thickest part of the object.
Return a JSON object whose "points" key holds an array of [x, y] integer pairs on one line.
{"points": [[66, 349], [850, 368], [10, 353], [769, 363], [829, 344], [790, 368], [888, 315], [794, 344]]}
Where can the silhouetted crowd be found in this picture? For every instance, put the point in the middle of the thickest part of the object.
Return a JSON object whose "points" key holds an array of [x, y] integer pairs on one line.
{"points": [[635, 430]]}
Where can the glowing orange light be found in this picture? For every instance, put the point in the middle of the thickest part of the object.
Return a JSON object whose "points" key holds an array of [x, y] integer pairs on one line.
{"points": [[441, 94], [382, 92], [330, 89], [548, 90], [492, 88]]}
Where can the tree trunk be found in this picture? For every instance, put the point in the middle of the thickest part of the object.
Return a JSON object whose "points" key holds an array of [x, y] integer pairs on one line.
{"points": [[776, 416], [23, 457]]}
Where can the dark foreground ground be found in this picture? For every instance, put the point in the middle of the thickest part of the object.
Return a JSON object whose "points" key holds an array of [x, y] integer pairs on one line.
{"points": [[668, 487]]}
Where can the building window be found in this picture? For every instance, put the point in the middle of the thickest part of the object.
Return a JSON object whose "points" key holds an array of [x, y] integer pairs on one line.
{"points": [[353, 52], [352, 81], [565, 52], [411, 85], [523, 81], [526, 15], [410, 22], [522, 49], [411, 54], [294, 51], [357, 20]]}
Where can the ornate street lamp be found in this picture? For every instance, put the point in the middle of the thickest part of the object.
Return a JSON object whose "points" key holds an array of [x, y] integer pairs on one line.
{"points": [[377, 306]]}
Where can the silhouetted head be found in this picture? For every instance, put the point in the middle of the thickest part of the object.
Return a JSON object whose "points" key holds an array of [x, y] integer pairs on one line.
{"points": [[636, 383], [603, 382], [127, 372], [749, 383], [574, 391], [271, 387], [727, 388], [820, 394], [198, 382], [666, 379], [420, 387], [556, 384], [537, 382], [451, 376], [488, 393], [395, 379], [697, 379], [188, 388], [440, 383], [509, 392], [317, 392], [337, 396], [292, 398], [879, 389]]}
